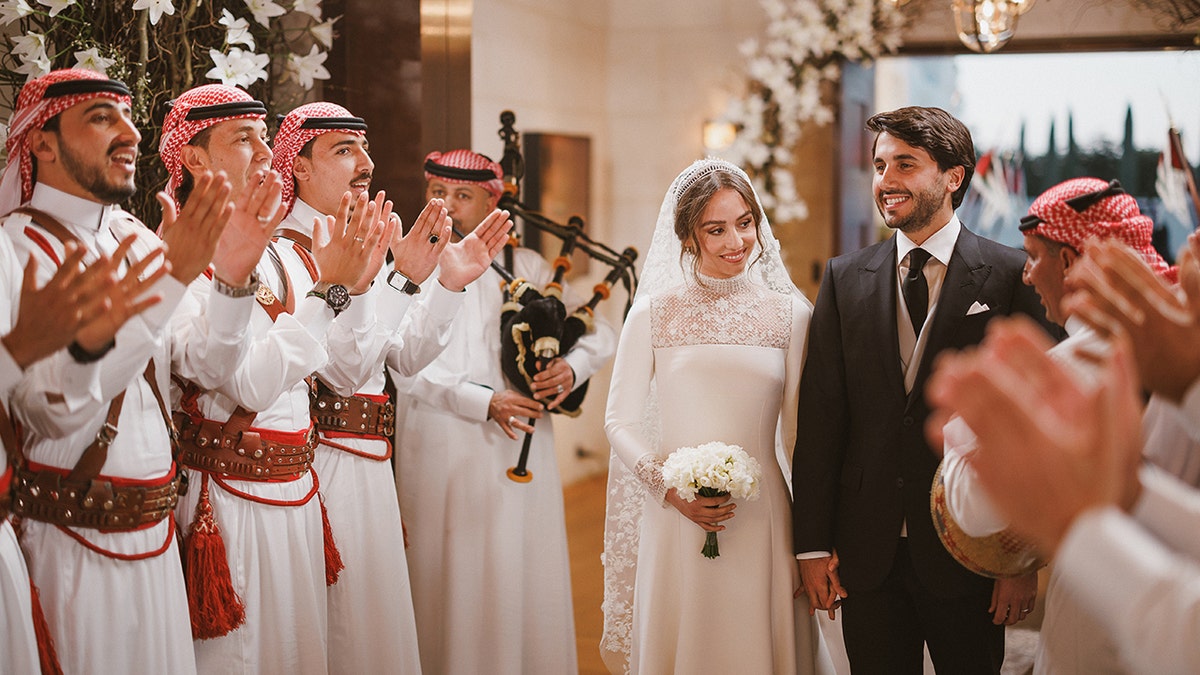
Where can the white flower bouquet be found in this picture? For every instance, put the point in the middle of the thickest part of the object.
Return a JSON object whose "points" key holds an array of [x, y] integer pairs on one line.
{"points": [[713, 469]]}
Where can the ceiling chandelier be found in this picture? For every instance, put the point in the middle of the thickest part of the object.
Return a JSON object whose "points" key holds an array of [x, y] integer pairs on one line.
{"points": [[984, 25]]}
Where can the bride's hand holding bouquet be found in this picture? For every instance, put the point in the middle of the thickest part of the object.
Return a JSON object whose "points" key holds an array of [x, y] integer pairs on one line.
{"points": [[703, 480]]}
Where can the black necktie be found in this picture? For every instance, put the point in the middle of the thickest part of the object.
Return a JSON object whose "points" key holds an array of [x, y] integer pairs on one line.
{"points": [[916, 289]]}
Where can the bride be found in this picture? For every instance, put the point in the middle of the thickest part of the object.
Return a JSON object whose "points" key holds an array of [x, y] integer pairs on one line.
{"points": [[712, 350]]}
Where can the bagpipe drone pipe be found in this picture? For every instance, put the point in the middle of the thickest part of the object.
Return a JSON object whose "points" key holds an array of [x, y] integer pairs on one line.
{"points": [[535, 326]]}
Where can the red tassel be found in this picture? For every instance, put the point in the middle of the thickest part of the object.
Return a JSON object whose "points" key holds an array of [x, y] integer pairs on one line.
{"points": [[333, 557], [45, 642], [213, 603]]}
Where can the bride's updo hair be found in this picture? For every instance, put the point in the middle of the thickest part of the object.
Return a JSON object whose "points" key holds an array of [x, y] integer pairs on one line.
{"points": [[695, 194]]}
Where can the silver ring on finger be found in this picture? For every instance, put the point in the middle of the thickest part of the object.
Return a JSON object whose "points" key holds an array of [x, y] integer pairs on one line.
{"points": [[264, 219], [512, 419], [359, 239], [433, 239], [560, 389]]}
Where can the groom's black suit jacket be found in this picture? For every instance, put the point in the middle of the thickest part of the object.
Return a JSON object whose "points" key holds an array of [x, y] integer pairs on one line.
{"points": [[861, 464]]}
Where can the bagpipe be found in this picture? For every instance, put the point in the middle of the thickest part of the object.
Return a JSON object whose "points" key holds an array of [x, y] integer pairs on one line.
{"points": [[535, 327]]}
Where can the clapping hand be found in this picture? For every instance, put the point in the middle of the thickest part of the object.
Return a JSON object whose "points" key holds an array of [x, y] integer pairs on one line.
{"points": [[345, 243], [390, 222], [1050, 447], [416, 253], [463, 261], [256, 214], [87, 306], [191, 235], [1115, 290]]}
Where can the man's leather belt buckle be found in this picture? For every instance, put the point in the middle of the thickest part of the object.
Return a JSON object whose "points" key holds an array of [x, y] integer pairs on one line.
{"points": [[244, 455], [107, 434], [97, 504], [353, 414]]}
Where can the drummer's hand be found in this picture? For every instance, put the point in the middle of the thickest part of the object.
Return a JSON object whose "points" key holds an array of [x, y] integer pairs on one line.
{"points": [[507, 408], [554, 383]]}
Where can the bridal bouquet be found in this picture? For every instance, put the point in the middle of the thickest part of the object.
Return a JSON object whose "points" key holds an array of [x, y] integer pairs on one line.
{"points": [[713, 469]]}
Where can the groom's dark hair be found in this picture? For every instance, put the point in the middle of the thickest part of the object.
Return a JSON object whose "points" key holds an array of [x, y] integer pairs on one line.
{"points": [[935, 131]]}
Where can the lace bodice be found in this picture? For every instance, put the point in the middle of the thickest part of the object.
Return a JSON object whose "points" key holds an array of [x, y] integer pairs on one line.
{"points": [[713, 311]]}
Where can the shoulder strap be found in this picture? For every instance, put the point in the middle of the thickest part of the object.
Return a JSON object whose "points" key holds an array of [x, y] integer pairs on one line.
{"points": [[10, 437], [295, 235], [50, 224]]}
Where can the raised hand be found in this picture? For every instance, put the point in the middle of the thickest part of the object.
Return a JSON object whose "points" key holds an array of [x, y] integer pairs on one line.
{"points": [[256, 214], [87, 306], [463, 261], [417, 253], [125, 299], [1114, 289], [344, 243], [390, 223], [191, 235]]}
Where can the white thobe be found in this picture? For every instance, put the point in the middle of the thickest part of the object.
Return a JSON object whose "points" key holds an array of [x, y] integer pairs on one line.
{"points": [[1138, 575], [372, 628], [129, 615], [488, 556], [276, 554], [18, 644]]}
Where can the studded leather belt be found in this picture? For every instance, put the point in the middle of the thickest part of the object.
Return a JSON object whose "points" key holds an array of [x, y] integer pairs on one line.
{"points": [[103, 503], [250, 454], [363, 414]]}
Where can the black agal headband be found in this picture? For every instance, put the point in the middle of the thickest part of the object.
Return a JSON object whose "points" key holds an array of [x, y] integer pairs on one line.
{"points": [[455, 173], [234, 109], [72, 87]]}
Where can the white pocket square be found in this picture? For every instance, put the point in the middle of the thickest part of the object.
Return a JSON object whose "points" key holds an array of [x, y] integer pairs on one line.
{"points": [[977, 308]]}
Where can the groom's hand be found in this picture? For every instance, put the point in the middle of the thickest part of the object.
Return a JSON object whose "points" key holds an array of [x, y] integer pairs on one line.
{"points": [[819, 579]]}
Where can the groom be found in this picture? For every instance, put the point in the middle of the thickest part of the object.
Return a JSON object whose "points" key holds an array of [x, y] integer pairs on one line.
{"points": [[862, 470]]}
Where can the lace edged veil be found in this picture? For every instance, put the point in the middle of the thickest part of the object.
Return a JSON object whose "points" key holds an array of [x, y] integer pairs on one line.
{"points": [[662, 270]]}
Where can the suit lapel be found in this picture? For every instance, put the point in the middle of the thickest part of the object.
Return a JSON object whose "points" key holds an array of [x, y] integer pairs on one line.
{"points": [[965, 276], [877, 293]]}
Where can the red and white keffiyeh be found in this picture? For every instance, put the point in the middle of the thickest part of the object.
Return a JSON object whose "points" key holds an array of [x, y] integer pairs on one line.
{"points": [[465, 166], [39, 101], [1078, 210], [196, 110], [301, 126]]}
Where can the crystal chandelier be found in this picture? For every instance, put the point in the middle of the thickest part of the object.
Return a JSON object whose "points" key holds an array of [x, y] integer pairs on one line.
{"points": [[984, 25]]}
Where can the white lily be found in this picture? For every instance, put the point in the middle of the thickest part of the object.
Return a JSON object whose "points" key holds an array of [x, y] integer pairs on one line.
{"points": [[157, 8]]}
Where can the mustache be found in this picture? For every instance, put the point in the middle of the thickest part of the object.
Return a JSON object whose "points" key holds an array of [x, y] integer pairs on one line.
{"points": [[117, 145], [366, 175]]}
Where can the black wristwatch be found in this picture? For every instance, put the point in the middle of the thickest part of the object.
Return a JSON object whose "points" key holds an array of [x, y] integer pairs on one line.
{"points": [[407, 287], [334, 295]]}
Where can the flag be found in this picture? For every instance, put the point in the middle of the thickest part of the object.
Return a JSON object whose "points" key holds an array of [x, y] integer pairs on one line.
{"points": [[995, 188], [1174, 183]]}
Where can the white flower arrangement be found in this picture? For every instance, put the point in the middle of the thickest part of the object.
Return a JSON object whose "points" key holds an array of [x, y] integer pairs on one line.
{"points": [[806, 40], [713, 469], [276, 49]]}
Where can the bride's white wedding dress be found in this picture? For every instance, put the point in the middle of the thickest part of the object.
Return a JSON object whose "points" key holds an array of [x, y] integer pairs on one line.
{"points": [[724, 357]]}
